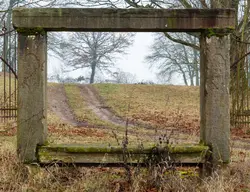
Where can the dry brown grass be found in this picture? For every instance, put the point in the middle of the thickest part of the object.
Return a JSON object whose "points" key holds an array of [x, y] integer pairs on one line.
{"points": [[158, 105], [79, 107], [113, 132], [15, 176]]}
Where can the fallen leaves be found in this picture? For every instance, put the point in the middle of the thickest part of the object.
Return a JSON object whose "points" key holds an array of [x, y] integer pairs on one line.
{"points": [[79, 131]]}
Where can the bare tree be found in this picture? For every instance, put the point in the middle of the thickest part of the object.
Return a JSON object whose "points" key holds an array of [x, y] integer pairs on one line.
{"points": [[124, 77], [58, 74], [171, 58], [8, 44], [93, 50]]}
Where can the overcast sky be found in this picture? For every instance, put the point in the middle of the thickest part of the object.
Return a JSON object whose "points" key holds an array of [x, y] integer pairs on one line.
{"points": [[133, 61]]}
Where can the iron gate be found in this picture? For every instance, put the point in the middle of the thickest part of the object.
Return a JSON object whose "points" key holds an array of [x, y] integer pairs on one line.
{"points": [[8, 76], [240, 84]]}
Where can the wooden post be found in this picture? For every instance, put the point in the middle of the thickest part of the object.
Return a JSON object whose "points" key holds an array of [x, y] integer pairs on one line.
{"points": [[32, 80], [214, 99]]}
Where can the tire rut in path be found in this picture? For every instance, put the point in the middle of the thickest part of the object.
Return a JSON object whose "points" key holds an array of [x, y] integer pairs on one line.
{"points": [[94, 103], [58, 103]]}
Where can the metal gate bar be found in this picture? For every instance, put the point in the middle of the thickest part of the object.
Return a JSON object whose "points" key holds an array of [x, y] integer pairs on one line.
{"points": [[8, 98]]}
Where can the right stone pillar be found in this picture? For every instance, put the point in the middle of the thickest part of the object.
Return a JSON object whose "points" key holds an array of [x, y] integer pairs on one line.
{"points": [[214, 99]]}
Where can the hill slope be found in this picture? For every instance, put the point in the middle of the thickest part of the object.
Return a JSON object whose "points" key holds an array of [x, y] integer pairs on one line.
{"points": [[160, 106]]}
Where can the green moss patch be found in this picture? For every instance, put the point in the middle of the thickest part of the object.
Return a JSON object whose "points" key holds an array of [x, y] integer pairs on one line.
{"points": [[98, 153], [31, 31]]}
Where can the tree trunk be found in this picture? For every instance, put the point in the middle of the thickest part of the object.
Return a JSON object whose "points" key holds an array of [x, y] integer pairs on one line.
{"points": [[93, 69], [239, 73], [191, 76], [7, 38], [220, 4], [196, 63], [184, 76]]}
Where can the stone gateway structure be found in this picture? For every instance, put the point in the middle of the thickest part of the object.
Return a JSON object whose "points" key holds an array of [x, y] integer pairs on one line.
{"points": [[32, 26]]}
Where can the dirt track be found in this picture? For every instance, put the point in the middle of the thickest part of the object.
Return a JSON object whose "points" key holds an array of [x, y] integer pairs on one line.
{"points": [[94, 103], [58, 103]]}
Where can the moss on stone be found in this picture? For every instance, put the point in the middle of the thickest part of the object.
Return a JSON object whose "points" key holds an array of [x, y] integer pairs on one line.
{"points": [[114, 154], [60, 12], [210, 32], [188, 148], [72, 148], [175, 149], [171, 22], [44, 154], [46, 143], [31, 31]]}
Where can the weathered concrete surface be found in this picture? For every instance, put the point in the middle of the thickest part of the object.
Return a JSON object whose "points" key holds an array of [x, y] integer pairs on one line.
{"points": [[147, 20], [32, 79], [100, 154], [32, 60], [215, 77]]}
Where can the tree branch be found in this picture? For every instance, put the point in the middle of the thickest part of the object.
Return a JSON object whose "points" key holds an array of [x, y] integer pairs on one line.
{"points": [[204, 4], [182, 42], [12, 70], [132, 3], [185, 4], [154, 2], [236, 62]]}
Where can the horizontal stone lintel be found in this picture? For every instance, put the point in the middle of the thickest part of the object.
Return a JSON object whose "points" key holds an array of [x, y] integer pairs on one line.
{"points": [[123, 20], [91, 154]]}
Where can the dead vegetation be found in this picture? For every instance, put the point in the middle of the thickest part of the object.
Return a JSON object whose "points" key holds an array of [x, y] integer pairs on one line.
{"points": [[18, 177], [171, 109], [160, 106]]}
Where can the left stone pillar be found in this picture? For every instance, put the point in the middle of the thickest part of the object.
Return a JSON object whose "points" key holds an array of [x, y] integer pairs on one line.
{"points": [[32, 84]]}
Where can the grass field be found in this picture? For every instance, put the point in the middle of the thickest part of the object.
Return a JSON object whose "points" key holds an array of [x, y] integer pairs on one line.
{"points": [[160, 107]]}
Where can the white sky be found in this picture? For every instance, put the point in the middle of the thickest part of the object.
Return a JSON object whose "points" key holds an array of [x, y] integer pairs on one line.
{"points": [[134, 61]]}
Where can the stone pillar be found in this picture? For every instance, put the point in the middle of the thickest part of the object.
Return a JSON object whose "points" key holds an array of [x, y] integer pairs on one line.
{"points": [[32, 83], [214, 98]]}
